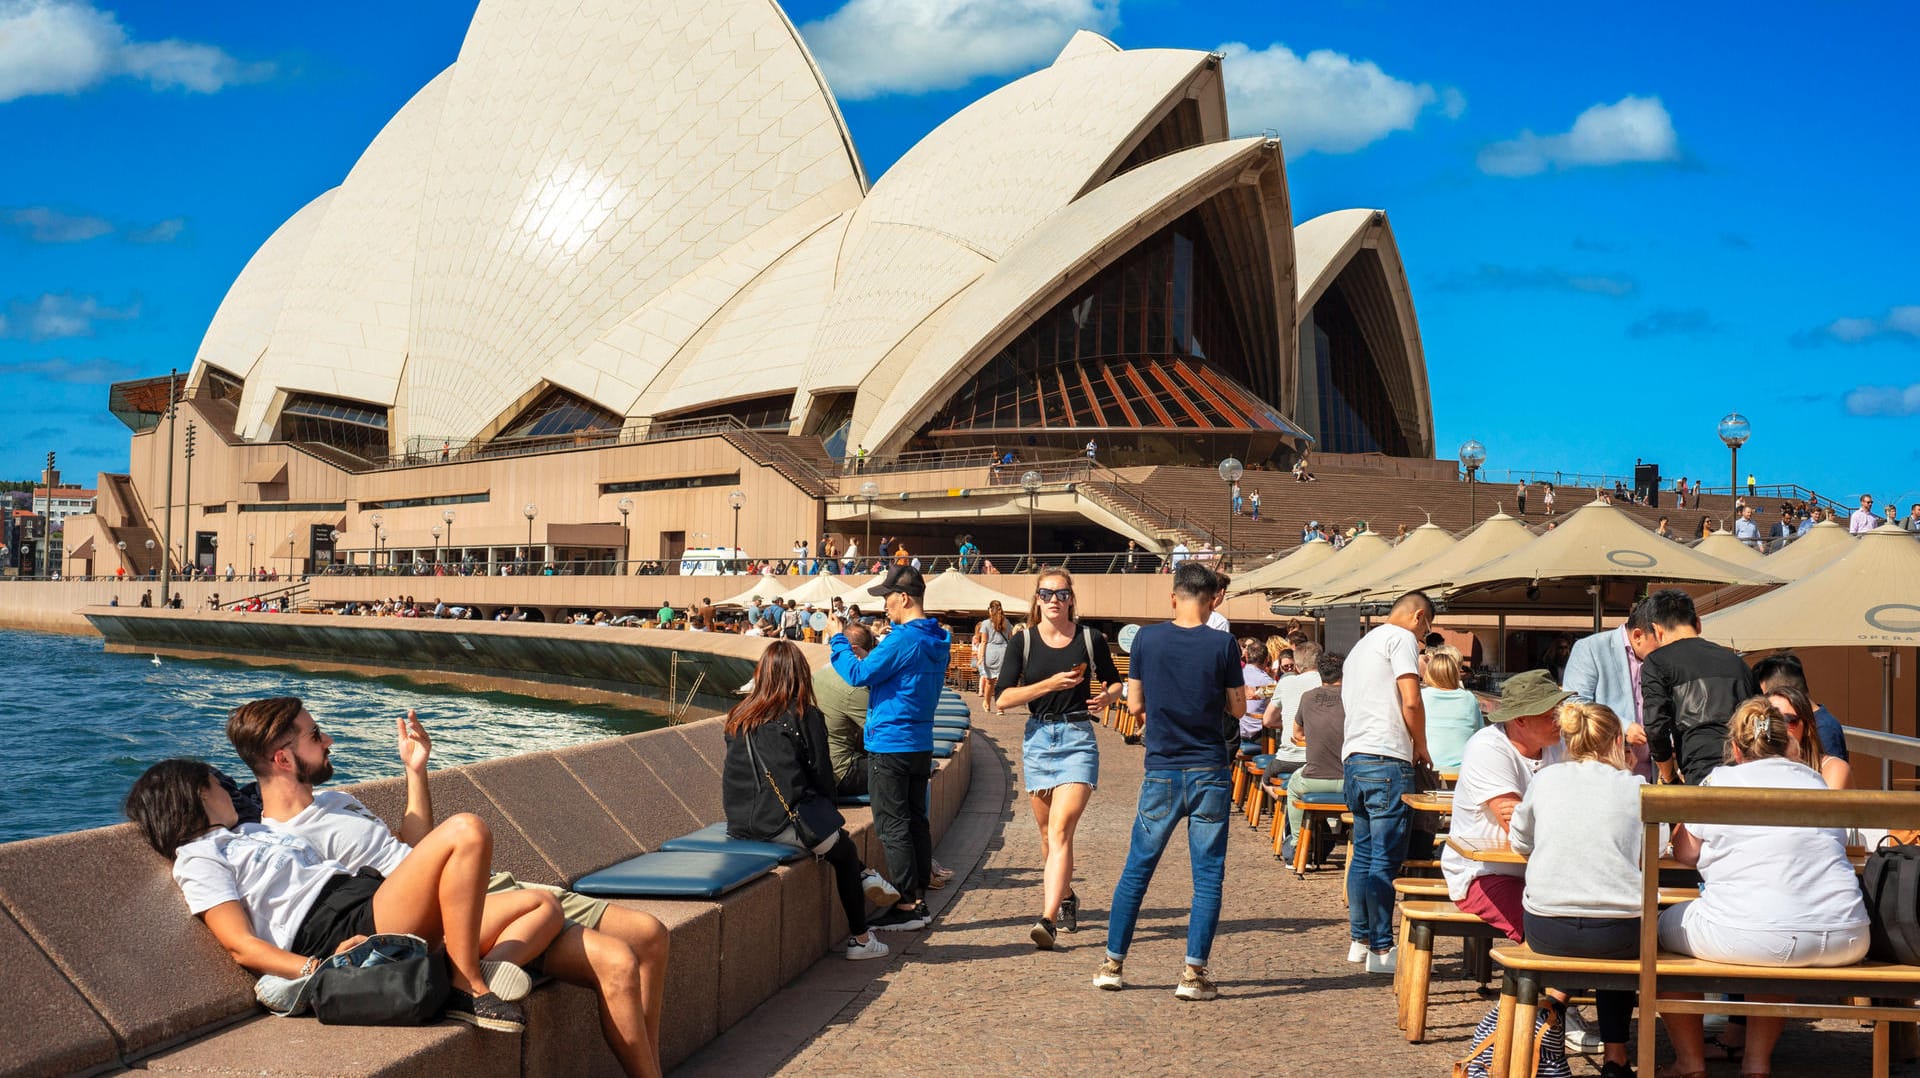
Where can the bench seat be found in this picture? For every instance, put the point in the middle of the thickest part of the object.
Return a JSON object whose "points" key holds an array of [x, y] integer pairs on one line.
{"points": [[713, 838], [676, 874], [952, 722]]}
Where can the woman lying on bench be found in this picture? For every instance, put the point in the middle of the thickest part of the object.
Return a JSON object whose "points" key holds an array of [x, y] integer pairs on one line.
{"points": [[279, 908], [1769, 896]]}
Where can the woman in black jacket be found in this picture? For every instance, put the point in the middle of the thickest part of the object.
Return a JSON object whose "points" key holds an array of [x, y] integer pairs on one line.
{"points": [[779, 776]]}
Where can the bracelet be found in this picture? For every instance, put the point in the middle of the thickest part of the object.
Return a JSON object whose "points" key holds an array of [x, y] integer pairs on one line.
{"points": [[312, 967]]}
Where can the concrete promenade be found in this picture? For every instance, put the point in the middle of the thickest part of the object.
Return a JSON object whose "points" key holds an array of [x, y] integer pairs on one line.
{"points": [[973, 996]]}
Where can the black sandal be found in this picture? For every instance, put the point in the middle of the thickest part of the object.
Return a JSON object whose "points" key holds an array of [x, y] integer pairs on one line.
{"points": [[1729, 1053]]}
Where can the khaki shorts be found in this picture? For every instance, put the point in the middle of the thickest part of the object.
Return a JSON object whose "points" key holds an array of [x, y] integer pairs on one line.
{"points": [[577, 909]]}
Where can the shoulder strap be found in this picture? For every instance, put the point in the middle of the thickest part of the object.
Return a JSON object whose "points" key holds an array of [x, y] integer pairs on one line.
{"points": [[1025, 649]]}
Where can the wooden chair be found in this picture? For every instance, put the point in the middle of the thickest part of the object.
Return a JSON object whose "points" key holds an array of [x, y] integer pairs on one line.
{"points": [[1310, 830]]}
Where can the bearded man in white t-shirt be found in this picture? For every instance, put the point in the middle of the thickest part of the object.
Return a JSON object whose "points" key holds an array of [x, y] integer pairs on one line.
{"points": [[1386, 732], [620, 954], [1496, 767]]}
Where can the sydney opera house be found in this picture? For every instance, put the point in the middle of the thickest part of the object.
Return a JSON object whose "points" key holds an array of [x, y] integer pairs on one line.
{"points": [[617, 285]]}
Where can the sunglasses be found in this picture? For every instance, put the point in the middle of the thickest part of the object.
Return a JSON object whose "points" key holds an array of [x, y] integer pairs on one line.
{"points": [[1048, 595]]}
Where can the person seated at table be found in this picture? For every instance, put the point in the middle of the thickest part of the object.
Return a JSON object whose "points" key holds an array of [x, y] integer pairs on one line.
{"points": [[1282, 714], [1579, 828], [1253, 655], [1320, 730], [1496, 769], [1804, 743], [1453, 712], [1782, 670], [1769, 896]]}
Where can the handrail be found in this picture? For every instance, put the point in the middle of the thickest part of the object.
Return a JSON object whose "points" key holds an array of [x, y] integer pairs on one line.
{"points": [[1779, 808], [1897, 748]]}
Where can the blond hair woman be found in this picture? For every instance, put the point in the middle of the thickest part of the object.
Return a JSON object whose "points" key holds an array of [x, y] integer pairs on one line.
{"points": [[1453, 712]]}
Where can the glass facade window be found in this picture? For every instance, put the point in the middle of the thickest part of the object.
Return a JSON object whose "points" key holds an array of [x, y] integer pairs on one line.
{"points": [[293, 507], [1356, 408], [684, 482], [558, 412], [774, 413], [415, 503], [350, 426], [217, 384]]}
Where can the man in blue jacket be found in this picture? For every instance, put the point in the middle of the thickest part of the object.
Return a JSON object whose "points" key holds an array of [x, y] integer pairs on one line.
{"points": [[903, 675], [1605, 669]]}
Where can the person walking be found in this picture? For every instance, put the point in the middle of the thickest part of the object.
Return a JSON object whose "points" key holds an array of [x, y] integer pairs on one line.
{"points": [[1386, 734], [1048, 670], [1520, 493], [844, 710], [1863, 518], [1238, 501], [777, 786], [903, 675], [1688, 687], [1752, 491], [1182, 683], [990, 646], [1253, 501], [1546, 498]]}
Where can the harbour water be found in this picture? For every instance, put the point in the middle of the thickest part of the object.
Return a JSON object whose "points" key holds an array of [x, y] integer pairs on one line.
{"points": [[82, 724]]}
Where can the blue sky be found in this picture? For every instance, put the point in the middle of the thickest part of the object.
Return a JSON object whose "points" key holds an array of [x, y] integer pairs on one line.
{"points": [[1620, 223]]}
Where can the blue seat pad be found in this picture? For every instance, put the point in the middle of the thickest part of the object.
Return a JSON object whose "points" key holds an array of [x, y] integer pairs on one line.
{"points": [[855, 799], [950, 722], [1263, 761], [713, 839], [942, 749], [952, 709], [941, 733], [676, 874]]}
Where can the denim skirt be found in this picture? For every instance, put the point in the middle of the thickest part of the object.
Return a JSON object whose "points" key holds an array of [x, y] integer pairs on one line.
{"points": [[1057, 753]]}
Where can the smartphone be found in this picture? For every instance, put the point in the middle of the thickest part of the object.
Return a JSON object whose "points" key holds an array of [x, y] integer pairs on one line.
{"points": [[1079, 669]]}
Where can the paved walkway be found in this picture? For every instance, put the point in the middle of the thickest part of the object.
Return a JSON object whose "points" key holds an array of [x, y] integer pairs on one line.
{"points": [[973, 996]]}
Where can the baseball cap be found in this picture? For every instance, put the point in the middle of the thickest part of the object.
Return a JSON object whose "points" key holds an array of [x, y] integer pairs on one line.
{"points": [[901, 578]]}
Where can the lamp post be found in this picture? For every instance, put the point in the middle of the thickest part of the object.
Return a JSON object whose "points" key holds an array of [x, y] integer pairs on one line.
{"points": [[531, 510], [214, 542], [869, 490], [736, 499], [188, 556], [378, 535], [166, 568], [149, 551], [292, 565], [448, 517], [1472, 456], [46, 527], [625, 505], [249, 556], [1030, 482], [1734, 431], [435, 532], [1230, 472], [379, 540], [333, 555], [121, 546]]}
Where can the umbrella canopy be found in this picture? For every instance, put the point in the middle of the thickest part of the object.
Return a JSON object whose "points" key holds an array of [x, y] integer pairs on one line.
{"points": [[1496, 537], [1280, 571], [954, 592], [1601, 542], [1424, 543], [819, 590], [764, 588], [1361, 551], [857, 594], [1724, 546], [1823, 544], [1868, 596]]}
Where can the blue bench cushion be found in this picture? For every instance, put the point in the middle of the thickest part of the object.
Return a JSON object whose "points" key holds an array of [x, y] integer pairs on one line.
{"points": [[942, 749], [948, 722], [1262, 761], [943, 734], [854, 799], [714, 839], [676, 874]]}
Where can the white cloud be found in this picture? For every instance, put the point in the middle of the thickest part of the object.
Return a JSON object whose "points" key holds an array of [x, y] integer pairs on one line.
{"points": [[1884, 400], [1900, 323], [160, 231], [55, 316], [870, 48], [43, 224], [1325, 100], [1632, 129], [66, 46]]}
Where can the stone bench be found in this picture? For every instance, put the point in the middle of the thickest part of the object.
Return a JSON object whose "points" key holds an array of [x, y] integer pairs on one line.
{"points": [[105, 969]]}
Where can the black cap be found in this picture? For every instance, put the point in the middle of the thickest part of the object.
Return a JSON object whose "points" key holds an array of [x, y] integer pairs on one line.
{"points": [[901, 578]]}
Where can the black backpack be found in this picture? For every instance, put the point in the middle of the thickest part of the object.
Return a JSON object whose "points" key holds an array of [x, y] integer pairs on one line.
{"points": [[1891, 882]]}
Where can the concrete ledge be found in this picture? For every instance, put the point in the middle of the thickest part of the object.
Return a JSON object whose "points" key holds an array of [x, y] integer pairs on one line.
{"points": [[105, 968]]}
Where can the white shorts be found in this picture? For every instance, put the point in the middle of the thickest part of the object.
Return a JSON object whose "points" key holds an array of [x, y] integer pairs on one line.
{"points": [[1688, 929]]}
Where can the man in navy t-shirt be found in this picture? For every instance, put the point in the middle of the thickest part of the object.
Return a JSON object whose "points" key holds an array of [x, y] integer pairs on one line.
{"points": [[1181, 682]]}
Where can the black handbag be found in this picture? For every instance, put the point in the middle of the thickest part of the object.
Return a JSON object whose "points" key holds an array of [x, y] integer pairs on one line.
{"points": [[815, 819], [388, 980]]}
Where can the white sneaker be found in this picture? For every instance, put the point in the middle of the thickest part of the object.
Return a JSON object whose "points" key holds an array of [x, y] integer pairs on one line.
{"points": [[1582, 1038], [506, 980], [873, 948], [1356, 951], [879, 891], [1383, 961], [1109, 977]]}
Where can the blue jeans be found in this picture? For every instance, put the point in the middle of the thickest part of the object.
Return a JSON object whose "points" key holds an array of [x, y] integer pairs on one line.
{"points": [[1381, 824], [1200, 796]]}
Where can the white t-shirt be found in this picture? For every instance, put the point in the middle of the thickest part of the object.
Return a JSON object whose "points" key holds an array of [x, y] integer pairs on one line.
{"points": [[1779, 878], [344, 830], [1489, 766], [275, 876], [1286, 697], [1370, 693], [1217, 620]]}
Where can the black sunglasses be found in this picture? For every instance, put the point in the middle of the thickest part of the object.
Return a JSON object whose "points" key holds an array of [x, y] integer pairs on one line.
{"points": [[1048, 595]]}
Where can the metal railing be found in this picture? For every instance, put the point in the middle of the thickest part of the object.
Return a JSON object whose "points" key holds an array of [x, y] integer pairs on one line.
{"points": [[790, 570]]}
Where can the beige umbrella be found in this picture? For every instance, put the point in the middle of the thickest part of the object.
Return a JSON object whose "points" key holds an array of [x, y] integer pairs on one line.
{"points": [[858, 594], [1823, 544], [819, 590], [1868, 597], [1590, 548], [1281, 570], [1724, 546], [1495, 537], [1424, 543], [954, 591], [1361, 550], [764, 588]]}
